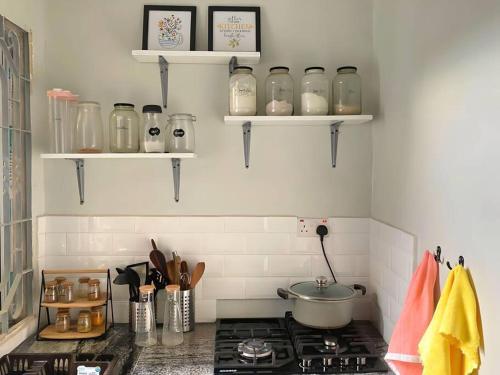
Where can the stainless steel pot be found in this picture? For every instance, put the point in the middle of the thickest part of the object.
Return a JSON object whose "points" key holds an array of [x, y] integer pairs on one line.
{"points": [[322, 304]]}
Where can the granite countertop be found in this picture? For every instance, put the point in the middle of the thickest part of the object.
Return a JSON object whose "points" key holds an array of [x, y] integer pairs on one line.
{"points": [[195, 356]]}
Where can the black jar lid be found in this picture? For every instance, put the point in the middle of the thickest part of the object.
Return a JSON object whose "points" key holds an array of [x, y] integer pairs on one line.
{"points": [[123, 105], [346, 67], [243, 67], [279, 68], [151, 108], [314, 68]]}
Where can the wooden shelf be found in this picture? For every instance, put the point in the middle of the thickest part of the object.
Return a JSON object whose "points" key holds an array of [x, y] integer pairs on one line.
{"points": [[121, 156], [50, 333], [79, 303], [197, 57], [296, 120]]}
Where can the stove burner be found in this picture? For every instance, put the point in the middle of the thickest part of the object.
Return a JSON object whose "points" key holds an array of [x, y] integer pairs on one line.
{"points": [[255, 348]]}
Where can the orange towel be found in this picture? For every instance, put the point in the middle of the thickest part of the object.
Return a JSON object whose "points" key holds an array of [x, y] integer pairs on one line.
{"points": [[418, 309]]}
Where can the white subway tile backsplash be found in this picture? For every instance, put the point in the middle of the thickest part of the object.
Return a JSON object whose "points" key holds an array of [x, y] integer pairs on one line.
{"points": [[246, 265], [223, 288], [101, 243], [350, 243], [268, 243], [55, 243], [63, 224], [244, 224], [264, 287], [112, 224], [349, 225], [200, 224], [306, 245], [224, 243], [41, 245], [401, 263], [182, 243], [157, 225], [214, 264], [280, 224], [78, 243], [131, 244], [289, 265], [362, 265]]}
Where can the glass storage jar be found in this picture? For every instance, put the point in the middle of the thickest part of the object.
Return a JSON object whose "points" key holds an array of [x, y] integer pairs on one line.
{"points": [[315, 92], [242, 92], [94, 290], [97, 316], [62, 120], [50, 293], [172, 333], [84, 323], [59, 280], [62, 321], [83, 287], [154, 130], [89, 138], [180, 133], [279, 92], [146, 324], [123, 128], [347, 91], [67, 294]]}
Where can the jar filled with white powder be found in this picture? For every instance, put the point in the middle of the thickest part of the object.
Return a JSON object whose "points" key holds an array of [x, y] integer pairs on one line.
{"points": [[242, 92], [315, 92], [153, 129], [279, 92]]}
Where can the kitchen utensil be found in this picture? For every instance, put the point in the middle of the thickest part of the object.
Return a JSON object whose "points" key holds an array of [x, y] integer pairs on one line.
{"points": [[322, 304], [146, 271], [153, 243], [134, 282], [184, 267], [157, 279], [177, 261], [185, 281], [171, 271], [198, 271], [159, 261]]}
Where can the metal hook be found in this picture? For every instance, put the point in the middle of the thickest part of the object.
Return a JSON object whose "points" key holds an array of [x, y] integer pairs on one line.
{"points": [[461, 262], [437, 255]]}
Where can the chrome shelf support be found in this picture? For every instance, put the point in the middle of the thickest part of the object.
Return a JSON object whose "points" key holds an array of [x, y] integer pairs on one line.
{"points": [[164, 79], [176, 170], [80, 176], [334, 138], [247, 133]]}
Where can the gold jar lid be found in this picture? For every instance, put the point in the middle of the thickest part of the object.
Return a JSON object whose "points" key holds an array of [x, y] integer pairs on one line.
{"points": [[84, 280], [51, 284], [67, 283], [62, 313], [94, 282]]}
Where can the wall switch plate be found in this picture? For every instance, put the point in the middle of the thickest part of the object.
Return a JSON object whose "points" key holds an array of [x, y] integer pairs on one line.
{"points": [[306, 227]]}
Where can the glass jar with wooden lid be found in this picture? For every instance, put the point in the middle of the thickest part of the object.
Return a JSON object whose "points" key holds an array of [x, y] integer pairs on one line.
{"points": [[84, 323], [94, 290], [63, 323], [97, 316], [83, 287], [67, 293], [50, 293], [59, 280]]}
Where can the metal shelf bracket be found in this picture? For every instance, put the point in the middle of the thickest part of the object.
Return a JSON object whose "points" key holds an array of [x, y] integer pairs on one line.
{"points": [[80, 176], [247, 133], [176, 170], [233, 63], [334, 137], [164, 79]]}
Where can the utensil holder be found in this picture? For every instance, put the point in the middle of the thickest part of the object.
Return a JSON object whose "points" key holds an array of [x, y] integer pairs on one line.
{"points": [[187, 309], [138, 317]]}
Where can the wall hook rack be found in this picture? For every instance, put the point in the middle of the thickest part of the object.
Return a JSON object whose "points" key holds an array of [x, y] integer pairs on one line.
{"points": [[461, 262], [437, 255]]}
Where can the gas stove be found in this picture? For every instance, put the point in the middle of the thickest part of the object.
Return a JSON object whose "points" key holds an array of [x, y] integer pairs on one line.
{"points": [[284, 346]]}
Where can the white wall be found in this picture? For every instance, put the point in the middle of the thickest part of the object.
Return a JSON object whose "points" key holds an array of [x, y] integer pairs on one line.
{"points": [[435, 147], [89, 52]]}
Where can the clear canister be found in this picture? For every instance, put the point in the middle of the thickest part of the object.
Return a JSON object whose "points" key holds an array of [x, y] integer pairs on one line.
{"points": [[124, 128], [242, 92], [180, 133], [83, 287], [84, 323], [172, 334], [153, 129], [67, 293], [62, 120], [89, 131], [279, 92], [146, 324], [347, 91], [94, 290], [62, 321], [59, 281], [315, 95], [50, 292], [97, 316]]}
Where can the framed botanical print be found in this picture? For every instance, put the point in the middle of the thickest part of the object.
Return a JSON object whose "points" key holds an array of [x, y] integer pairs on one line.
{"points": [[234, 29], [169, 27]]}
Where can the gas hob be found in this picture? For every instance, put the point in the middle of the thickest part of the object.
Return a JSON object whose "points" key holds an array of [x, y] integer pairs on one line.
{"points": [[284, 346]]}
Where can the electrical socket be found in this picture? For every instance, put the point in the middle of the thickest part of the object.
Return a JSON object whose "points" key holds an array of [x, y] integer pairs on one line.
{"points": [[306, 227]]}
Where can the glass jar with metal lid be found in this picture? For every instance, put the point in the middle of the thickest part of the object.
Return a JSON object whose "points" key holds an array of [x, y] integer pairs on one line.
{"points": [[153, 129], [279, 92], [180, 133], [89, 131], [124, 128], [315, 96], [242, 92], [347, 91]]}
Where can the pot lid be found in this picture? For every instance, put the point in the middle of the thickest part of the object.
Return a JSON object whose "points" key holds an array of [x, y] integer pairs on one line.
{"points": [[322, 290]]}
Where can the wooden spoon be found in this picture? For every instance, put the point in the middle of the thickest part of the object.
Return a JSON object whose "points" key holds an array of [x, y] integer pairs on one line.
{"points": [[171, 271], [159, 261], [198, 271]]}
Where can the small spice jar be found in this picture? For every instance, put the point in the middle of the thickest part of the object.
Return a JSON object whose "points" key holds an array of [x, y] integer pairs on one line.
{"points": [[50, 293], [67, 294], [97, 316], [63, 320], [84, 323], [94, 290], [242, 92], [83, 287], [59, 280]]}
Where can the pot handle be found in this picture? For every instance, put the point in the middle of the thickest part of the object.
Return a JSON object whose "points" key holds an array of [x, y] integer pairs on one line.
{"points": [[360, 287], [282, 293]]}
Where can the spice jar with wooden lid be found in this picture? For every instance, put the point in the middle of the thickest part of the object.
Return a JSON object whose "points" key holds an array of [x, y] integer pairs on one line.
{"points": [[94, 290], [84, 323], [50, 293], [83, 287], [59, 280], [97, 316], [62, 320], [67, 294]]}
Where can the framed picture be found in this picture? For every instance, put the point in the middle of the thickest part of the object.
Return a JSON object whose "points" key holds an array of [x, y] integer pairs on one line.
{"points": [[234, 29], [169, 27]]}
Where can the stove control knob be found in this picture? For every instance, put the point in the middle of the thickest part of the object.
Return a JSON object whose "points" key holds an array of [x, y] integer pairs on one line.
{"points": [[327, 362], [345, 361], [361, 361], [306, 363]]}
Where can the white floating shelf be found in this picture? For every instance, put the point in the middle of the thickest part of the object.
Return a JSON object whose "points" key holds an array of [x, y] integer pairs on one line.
{"points": [[296, 120], [197, 57], [121, 156]]}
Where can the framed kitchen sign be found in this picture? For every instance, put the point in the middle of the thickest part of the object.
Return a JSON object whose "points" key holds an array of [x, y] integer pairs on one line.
{"points": [[234, 29], [169, 27]]}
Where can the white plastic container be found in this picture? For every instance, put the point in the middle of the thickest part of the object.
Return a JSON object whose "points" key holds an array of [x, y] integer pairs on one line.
{"points": [[62, 120], [154, 130], [180, 133]]}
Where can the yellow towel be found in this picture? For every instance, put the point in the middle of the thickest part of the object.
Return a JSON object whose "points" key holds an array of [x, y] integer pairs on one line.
{"points": [[450, 345]]}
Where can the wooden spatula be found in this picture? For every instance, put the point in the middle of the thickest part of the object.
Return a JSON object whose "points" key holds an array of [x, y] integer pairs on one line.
{"points": [[197, 274]]}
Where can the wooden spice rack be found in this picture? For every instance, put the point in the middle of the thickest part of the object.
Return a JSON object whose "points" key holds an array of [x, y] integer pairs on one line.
{"points": [[49, 331]]}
